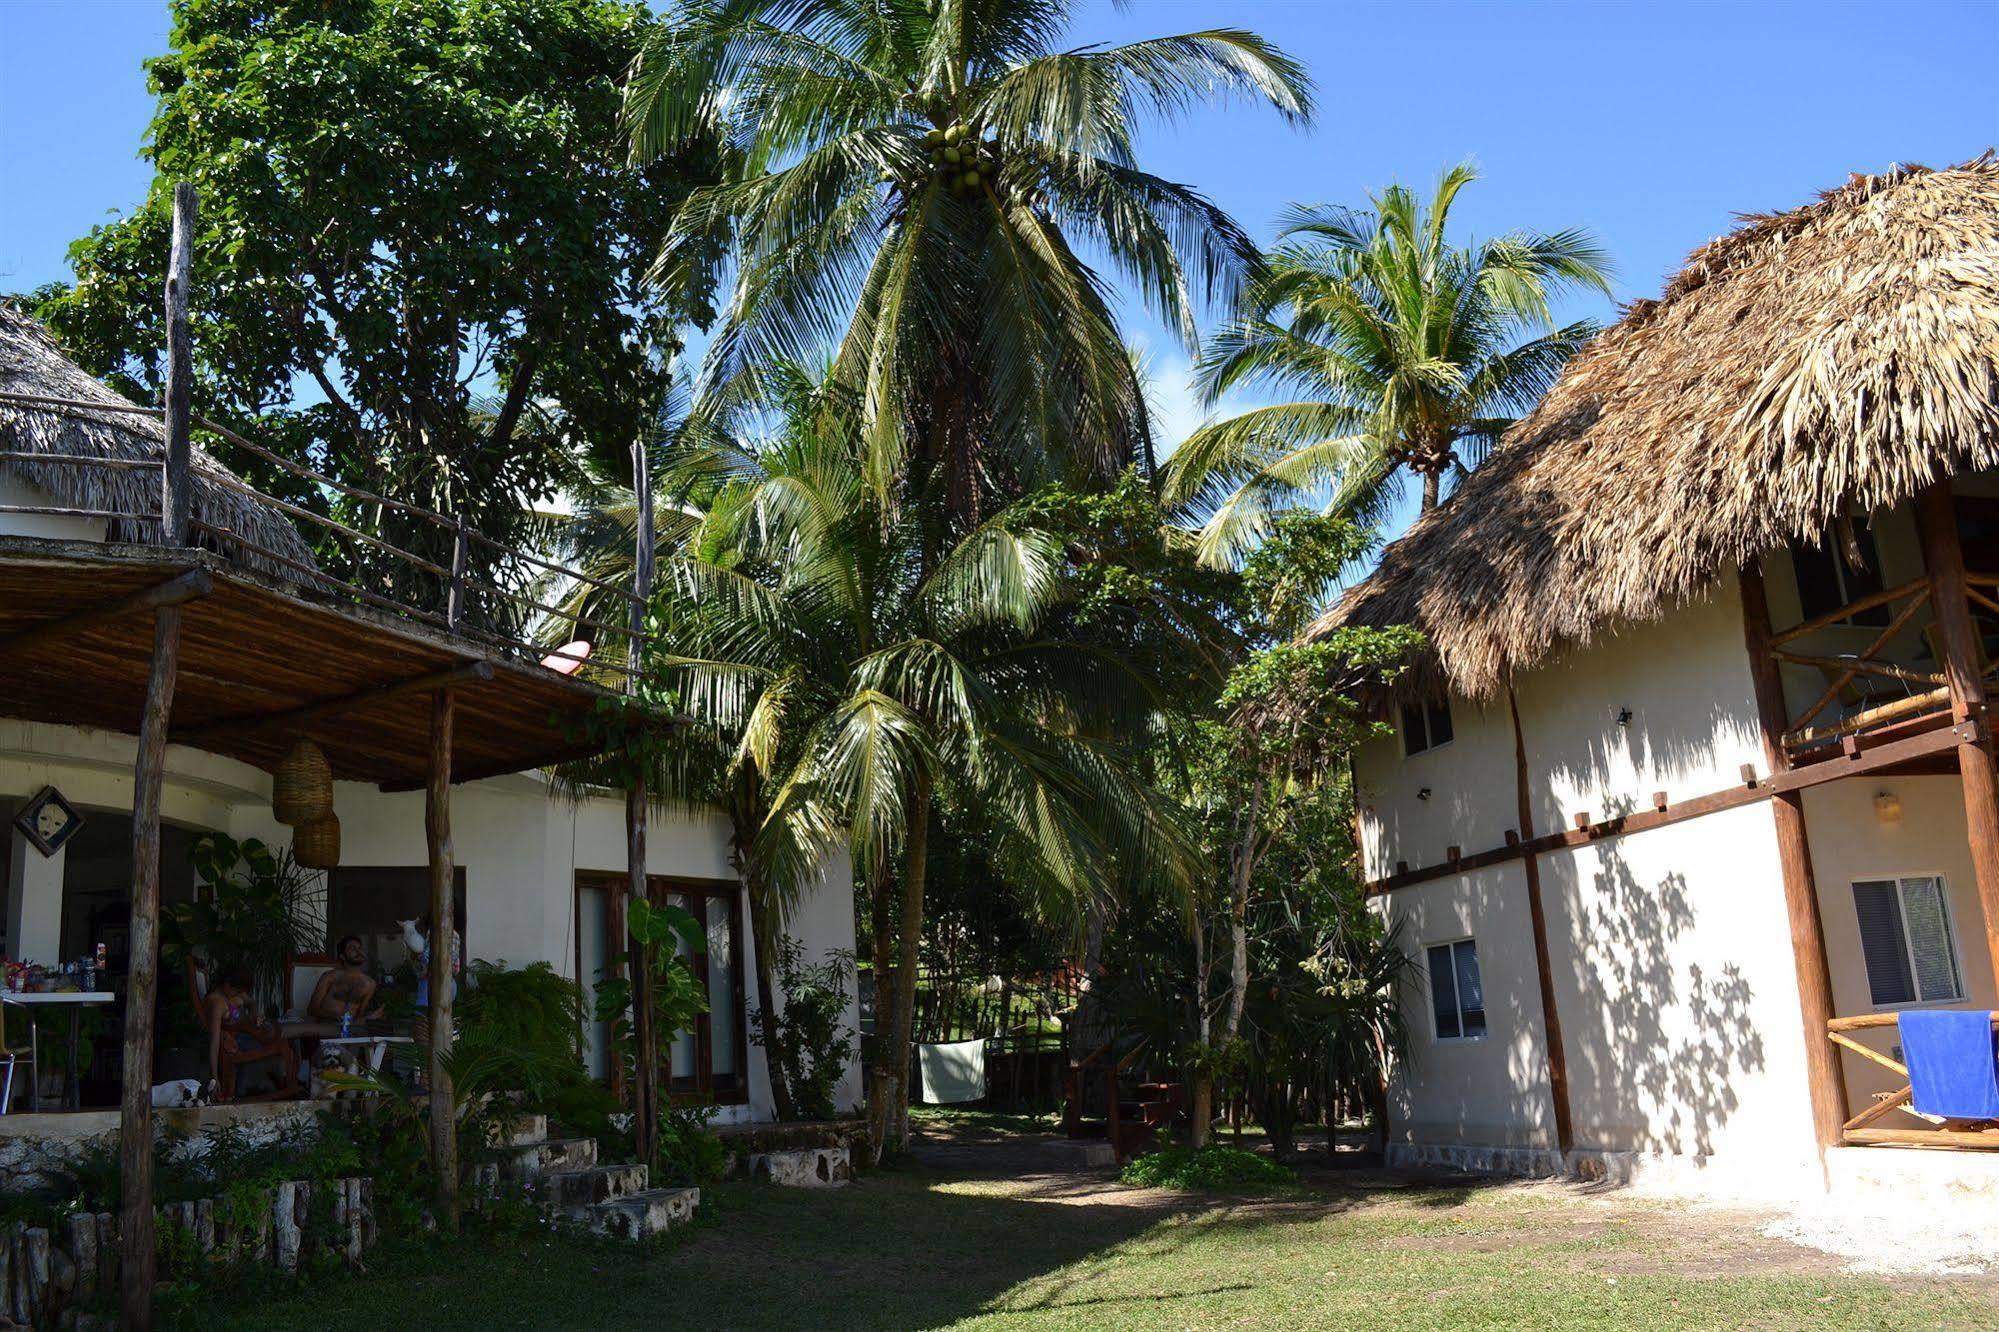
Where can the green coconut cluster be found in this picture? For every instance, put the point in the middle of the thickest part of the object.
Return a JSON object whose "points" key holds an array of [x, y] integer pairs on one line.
{"points": [[961, 161]]}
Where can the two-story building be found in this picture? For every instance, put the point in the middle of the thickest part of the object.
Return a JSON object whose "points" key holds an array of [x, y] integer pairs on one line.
{"points": [[1692, 791]]}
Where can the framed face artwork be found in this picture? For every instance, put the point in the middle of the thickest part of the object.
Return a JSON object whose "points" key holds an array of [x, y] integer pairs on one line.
{"points": [[48, 821]]}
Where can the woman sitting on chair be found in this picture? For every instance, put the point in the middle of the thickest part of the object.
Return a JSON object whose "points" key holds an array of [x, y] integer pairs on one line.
{"points": [[231, 1018]]}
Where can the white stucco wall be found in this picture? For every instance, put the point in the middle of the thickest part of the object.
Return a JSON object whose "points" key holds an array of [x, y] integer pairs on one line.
{"points": [[1671, 956], [1492, 1090], [58, 527], [520, 844]]}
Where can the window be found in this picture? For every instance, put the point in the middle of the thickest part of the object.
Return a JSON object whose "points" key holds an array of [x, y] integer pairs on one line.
{"points": [[1425, 726], [1455, 992], [711, 1059], [1827, 580], [1905, 935]]}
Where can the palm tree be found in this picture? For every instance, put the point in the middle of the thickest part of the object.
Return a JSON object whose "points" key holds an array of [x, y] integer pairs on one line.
{"points": [[1409, 354], [871, 685], [917, 183]]}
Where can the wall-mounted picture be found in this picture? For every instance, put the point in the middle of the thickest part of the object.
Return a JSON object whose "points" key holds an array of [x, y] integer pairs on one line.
{"points": [[48, 821]]}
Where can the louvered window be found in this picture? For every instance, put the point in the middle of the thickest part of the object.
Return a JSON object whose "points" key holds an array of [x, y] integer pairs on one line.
{"points": [[1906, 938]]}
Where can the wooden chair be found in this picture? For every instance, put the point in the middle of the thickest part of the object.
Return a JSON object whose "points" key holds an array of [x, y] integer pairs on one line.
{"points": [[15, 1055], [230, 1056], [1860, 1130]]}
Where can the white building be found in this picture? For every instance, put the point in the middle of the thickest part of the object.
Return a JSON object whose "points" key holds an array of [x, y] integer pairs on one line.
{"points": [[1693, 791], [265, 661]]}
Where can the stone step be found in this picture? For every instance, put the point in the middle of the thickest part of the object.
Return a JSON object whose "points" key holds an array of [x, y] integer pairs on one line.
{"points": [[521, 1131], [546, 1157], [568, 1189], [637, 1216], [803, 1168]]}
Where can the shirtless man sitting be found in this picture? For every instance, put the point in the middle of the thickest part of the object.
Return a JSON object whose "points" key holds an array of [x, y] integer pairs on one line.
{"points": [[344, 990]]}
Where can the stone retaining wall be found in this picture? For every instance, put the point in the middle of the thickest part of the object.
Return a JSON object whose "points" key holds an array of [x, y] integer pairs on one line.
{"points": [[45, 1274]]}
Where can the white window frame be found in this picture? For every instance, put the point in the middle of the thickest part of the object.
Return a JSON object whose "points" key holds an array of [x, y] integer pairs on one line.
{"points": [[1457, 993], [1429, 746], [1899, 878]]}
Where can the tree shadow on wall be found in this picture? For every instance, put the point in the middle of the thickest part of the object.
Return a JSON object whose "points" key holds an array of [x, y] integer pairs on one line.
{"points": [[1657, 1044]]}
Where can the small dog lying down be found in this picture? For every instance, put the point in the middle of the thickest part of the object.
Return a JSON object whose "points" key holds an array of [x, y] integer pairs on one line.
{"points": [[183, 1092]]}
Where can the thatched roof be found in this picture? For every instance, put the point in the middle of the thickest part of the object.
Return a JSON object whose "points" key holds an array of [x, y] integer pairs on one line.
{"points": [[1834, 358], [31, 363]]}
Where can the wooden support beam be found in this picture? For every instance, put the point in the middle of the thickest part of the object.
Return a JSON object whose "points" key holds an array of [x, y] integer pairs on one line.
{"points": [[135, 1106], [1936, 524], [1794, 854], [1988, 1140], [645, 1100], [1881, 1109], [175, 591], [1849, 610], [1551, 1018], [309, 714], [437, 835], [1874, 758]]}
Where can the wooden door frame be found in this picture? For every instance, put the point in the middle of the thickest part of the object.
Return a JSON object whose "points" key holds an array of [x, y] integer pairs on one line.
{"points": [[658, 886]]}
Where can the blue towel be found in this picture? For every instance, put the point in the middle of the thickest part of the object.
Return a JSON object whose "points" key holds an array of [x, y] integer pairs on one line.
{"points": [[1952, 1068]]}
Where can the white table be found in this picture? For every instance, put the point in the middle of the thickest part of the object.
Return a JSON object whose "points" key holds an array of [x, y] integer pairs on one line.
{"points": [[76, 999], [353, 1049]]}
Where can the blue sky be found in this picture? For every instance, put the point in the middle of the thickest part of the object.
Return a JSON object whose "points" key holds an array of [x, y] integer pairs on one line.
{"points": [[1652, 125]]}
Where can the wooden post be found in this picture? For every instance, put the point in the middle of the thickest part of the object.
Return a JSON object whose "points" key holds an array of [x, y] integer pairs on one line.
{"points": [[461, 549], [1794, 854], [645, 1094], [135, 1108], [443, 881], [1551, 1019], [1936, 522]]}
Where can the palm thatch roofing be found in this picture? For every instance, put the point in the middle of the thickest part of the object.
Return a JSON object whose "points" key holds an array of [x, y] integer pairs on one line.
{"points": [[1835, 358], [32, 364]]}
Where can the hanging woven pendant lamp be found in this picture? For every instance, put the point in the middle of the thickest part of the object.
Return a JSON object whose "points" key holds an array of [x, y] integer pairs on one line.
{"points": [[316, 845], [302, 786]]}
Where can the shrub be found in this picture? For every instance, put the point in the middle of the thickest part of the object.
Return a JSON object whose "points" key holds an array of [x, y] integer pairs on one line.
{"points": [[813, 1042], [1226, 1169]]}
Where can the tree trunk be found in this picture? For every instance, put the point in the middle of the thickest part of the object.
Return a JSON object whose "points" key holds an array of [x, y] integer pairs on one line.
{"points": [[1433, 482], [909, 936], [883, 1089], [1201, 1108], [1245, 869], [764, 936], [443, 876]]}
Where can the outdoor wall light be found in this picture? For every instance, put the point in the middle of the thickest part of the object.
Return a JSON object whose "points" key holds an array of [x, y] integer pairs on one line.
{"points": [[1624, 716], [1423, 794], [1887, 807]]}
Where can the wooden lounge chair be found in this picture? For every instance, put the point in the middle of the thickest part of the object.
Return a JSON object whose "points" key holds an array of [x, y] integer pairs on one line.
{"points": [[230, 1056]]}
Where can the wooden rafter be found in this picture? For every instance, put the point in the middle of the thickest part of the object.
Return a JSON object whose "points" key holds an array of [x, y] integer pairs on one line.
{"points": [[174, 591], [309, 714]]}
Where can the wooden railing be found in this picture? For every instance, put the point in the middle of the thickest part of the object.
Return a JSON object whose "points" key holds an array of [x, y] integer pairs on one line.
{"points": [[1925, 690], [484, 588], [1862, 1130]]}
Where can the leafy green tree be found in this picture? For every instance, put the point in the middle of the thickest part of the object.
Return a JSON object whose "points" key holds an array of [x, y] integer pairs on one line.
{"points": [[920, 183], [420, 246], [1409, 352], [875, 692]]}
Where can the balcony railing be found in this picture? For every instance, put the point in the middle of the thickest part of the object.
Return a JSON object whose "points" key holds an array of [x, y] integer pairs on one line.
{"points": [[482, 588], [1892, 1119]]}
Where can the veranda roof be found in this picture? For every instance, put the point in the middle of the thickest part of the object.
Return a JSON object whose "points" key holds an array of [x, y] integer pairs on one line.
{"points": [[1834, 358], [32, 365]]}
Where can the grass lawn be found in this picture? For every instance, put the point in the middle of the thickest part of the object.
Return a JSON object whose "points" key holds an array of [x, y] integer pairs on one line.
{"points": [[917, 1249]]}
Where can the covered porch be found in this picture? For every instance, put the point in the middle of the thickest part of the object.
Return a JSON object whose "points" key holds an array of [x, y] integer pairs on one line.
{"points": [[1873, 692]]}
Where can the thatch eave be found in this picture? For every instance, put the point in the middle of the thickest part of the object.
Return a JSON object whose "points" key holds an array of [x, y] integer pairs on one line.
{"points": [[32, 364]]}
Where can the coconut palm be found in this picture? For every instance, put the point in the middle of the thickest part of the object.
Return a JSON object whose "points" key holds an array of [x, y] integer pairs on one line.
{"points": [[919, 181], [871, 685], [1409, 355]]}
